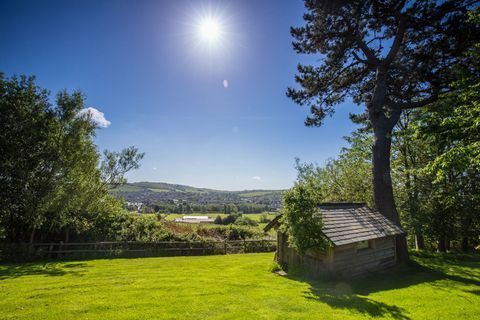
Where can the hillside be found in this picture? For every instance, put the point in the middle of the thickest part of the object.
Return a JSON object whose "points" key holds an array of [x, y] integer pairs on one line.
{"points": [[161, 192]]}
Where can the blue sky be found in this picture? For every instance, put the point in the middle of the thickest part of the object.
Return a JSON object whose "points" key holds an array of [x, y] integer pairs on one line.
{"points": [[144, 65]]}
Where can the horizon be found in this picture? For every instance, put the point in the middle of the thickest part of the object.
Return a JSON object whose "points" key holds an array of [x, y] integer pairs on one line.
{"points": [[198, 86]]}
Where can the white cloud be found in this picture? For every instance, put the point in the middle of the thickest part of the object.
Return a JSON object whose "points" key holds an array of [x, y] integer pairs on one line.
{"points": [[97, 117], [225, 84], [256, 178]]}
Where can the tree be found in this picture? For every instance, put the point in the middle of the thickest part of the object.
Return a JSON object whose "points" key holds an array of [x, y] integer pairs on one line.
{"points": [[302, 221], [346, 178], [390, 56], [50, 177], [28, 156], [116, 164]]}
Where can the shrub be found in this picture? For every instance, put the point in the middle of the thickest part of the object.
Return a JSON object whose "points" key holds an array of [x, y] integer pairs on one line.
{"points": [[218, 220], [246, 221], [302, 223], [264, 218], [275, 267]]}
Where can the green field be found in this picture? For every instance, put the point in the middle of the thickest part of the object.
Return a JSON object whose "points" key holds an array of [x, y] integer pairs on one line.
{"points": [[234, 287]]}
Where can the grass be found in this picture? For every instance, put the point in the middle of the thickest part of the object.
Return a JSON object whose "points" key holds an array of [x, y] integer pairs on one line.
{"points": [[234, 287]]}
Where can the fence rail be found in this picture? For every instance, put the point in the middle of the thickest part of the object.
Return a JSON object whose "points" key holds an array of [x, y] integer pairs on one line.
{"points": [[40, 251]]}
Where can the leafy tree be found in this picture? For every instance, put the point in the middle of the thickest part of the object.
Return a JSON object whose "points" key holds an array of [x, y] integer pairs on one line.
{"points": [[389, 56], [116, 164], [346, 178], [302, 223], [28, 156], [50, 178]]}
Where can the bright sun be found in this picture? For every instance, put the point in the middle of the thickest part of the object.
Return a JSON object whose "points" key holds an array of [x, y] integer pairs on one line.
{"points": [[209, 29]]}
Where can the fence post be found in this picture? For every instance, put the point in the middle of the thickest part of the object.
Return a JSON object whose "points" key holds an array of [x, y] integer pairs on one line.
{"points": [[244, 246], [225, 245]]}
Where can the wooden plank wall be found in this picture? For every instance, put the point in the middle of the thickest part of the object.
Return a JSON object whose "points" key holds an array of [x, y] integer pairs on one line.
{"points": [[314, 261], [344, 261], [348, 261]]}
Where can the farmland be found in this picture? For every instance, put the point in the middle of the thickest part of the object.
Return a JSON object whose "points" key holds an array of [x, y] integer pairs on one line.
{"points": [[235, 287]]}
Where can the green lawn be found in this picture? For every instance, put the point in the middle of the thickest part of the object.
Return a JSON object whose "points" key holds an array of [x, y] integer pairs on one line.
{"points": [[234, 287]]}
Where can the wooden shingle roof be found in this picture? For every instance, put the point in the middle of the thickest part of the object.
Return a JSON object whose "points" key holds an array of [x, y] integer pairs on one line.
{"points": [[345, 223]]}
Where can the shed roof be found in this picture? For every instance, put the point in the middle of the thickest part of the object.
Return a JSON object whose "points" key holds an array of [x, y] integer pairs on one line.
{"points": [[345, 223]]}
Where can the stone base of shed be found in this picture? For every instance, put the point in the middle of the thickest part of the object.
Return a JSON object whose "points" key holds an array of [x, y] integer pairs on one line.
{"points": [[347, 261]]}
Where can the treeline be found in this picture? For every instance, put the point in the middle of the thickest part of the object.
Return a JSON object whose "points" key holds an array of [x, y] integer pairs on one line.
{"points": [[207, 208], [435, 168], [53, 181]]}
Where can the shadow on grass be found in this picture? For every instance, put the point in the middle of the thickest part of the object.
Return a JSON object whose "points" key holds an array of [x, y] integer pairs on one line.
{"points": [[51, 269], [423, 268]]}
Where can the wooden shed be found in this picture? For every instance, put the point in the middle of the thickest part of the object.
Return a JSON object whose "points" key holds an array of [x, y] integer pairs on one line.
{"points": [[362, 241]]}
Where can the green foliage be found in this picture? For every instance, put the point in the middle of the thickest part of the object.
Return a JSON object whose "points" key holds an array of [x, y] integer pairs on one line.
{"points": [[437, 162], [245, 221], [275, 267], [231, 232], [347, 178], [301, 221], [264, 218], [50, 181], [116, 164], [218, 220], [229, 219]]}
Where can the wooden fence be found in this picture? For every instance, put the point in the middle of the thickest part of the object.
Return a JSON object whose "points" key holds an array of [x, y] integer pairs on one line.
{"points": [[41, 251]]}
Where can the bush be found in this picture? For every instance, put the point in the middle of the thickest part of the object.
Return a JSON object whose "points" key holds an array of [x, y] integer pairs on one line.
{"points": [[231, 218], [246, 221], [264, 218], [218, 220], [302, 223], [275, 267], [230, 232]]}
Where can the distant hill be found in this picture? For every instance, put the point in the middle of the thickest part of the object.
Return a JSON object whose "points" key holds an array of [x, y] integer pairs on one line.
{"points": [[161, 192]]}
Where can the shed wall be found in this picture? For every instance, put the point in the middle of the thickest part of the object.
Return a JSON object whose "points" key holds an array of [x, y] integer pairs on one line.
{"points": [[345, 261], [315, 261], [350, 261]]}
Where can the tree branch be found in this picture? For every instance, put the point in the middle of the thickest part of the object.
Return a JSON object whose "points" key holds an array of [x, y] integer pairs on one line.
{"points": [[371, 58], [398, 40]]}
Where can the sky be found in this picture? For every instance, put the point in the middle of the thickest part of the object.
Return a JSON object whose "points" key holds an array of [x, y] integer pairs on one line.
{"points": [[206, 112]]}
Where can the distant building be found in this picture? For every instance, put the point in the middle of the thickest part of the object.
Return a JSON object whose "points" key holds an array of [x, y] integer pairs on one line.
{"points": [[194, 219], [137, 206]]}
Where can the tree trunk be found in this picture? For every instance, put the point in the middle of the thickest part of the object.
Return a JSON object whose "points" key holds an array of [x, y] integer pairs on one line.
{"points": [[31, 240], [441, 244], [465, 247], [419, 242], [382, 182], [383, 123], [447, 244]]}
